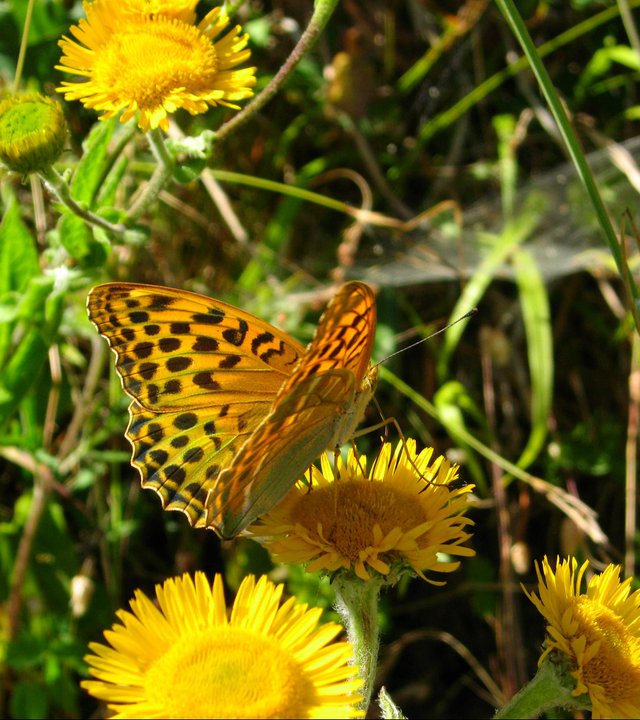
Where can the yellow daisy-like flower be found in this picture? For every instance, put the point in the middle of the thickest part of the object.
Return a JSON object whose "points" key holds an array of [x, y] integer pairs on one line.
{"points": [[185, 658], [597, 633], [146, 57], [399, 517]]}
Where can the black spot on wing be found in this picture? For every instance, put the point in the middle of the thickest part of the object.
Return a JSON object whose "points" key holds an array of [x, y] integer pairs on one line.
{"points": [[230, 361], [236, 336], [143, 349], [205, 344], [139, 316], [173, 387], [193, 455], [178, 364], [147, 370], [160, 302], [213, 317], [185, 421], [205, 380], [169, 344]]}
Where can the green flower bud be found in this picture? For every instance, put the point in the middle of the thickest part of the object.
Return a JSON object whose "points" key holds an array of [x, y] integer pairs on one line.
{"points": [[33, 132]]}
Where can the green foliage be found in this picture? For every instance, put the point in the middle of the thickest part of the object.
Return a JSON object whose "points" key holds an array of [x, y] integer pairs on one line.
{"points": [[534, 387]]}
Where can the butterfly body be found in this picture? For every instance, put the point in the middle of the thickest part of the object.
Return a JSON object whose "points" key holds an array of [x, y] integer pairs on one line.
{"points": [[228, 411]]}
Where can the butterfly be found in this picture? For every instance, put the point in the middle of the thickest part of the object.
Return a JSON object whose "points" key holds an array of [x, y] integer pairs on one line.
{"points": [[227, 411]]}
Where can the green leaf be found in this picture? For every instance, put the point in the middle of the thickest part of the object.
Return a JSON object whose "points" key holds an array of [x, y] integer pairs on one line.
{"points": [[21, 371], [601, 63], [9, 309], [388, 709], [109, 189], [78, 240], [189, 170], [29, 700], [32, 303], [94, 165], [18, 254], [74, 235], [18, 264], [26, 652], [454, 403]]}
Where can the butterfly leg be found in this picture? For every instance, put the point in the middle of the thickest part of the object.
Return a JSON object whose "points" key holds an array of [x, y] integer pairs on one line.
{"points": [[392, 421], [357, 457]]}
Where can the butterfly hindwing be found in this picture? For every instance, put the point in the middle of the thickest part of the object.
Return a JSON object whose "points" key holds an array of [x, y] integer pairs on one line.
{"points": [[181, 454], [317, 409]]}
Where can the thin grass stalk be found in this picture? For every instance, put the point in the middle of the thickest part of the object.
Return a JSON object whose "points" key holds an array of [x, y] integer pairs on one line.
{"points": [[513, 18], [631, 459], [449, 116]]}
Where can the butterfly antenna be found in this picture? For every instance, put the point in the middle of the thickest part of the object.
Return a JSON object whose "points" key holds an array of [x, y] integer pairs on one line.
{"points": [[471, 312]]}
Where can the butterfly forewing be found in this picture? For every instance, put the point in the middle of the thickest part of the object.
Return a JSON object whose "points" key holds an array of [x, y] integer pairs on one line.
{"points": [[175, 349], [344, 337]]}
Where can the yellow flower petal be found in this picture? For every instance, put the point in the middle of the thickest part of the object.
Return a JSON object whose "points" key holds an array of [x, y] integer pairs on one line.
{"points": [[185, 659], [145, 58], [598, 632], [400, 515]]}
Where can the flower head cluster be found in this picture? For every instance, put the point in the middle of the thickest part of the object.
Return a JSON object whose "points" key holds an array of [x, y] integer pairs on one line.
{"points": [[33, 132], [186, 658], [399, 517], [596, 633], [150, 58]]}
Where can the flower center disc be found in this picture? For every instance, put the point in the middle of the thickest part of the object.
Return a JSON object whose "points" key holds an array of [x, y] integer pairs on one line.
{"points": [[153, 60], [615, 666], [358, 505], [229, 672]]}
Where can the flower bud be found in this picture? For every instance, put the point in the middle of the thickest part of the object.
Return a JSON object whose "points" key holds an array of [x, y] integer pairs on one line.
{"points": [[33, 132]]}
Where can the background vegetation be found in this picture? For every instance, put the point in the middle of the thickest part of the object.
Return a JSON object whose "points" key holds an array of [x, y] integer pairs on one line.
{"points": [[422, 112]]}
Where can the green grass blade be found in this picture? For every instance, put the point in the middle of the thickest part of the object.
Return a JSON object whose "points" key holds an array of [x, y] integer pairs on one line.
{"points": [[535, 314]]}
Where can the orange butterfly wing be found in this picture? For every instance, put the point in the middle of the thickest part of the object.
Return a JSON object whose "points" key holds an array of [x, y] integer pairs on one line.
{"points": [[317, 409], [202, 375], [228, 411]]}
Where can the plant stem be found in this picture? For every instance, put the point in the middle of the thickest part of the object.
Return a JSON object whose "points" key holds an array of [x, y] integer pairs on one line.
{"points": [[23, 46], [163, 171], [59, 188], [547, 689], [322, 11], [357, 603]]}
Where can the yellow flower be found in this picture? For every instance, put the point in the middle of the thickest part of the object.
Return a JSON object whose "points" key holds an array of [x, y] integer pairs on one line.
{"points": [[184, 658], [397, 518], [597, 633], [148, 58]]}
